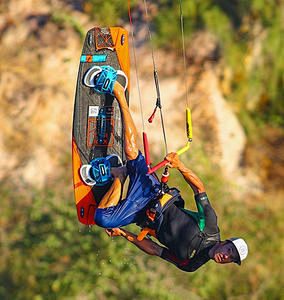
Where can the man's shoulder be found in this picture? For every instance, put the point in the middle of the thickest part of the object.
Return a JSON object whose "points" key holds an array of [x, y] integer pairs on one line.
{"points": [[188, 265]]}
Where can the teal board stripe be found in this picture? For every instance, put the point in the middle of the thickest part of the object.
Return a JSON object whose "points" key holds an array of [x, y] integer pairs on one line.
{"points": [[93, 58]]}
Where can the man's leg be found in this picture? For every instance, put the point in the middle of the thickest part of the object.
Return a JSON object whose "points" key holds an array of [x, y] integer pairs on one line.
{"points": [[112, 212], [130, 133], [112, 197]]}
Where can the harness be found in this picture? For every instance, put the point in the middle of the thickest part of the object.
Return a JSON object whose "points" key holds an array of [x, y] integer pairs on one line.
{"points": [[201, 241], [152, 216]]}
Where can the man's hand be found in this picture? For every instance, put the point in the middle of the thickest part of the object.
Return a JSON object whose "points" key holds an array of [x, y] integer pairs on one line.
{"points": [[115, 232], [173, 159], [190, 177]]}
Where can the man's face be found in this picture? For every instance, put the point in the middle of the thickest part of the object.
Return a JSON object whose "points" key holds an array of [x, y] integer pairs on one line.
{"points": [[225, 253]]}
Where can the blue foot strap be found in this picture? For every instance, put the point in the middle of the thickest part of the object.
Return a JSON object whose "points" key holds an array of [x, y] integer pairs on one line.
{"points": [[102, 79]]}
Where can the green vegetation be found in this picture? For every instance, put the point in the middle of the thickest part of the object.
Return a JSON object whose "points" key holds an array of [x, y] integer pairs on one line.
{"points": [[249, 37], [107, 13], [45, 254], [248, 34], [60, 18]]}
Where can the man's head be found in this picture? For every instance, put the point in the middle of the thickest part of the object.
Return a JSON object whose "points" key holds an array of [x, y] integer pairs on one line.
{"points": [[231, 250]]}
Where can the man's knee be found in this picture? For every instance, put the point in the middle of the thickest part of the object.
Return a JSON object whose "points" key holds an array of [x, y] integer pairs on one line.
{"points": [[104, 219]]}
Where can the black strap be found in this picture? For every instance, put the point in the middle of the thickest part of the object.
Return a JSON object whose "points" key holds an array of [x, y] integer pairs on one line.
{"points": [[203, 240], [155, 207]]}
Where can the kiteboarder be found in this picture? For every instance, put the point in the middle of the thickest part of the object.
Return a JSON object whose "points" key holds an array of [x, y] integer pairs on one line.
{"points": [[189, 239]]}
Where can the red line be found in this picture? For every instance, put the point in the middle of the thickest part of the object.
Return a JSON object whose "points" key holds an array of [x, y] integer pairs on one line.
{"points": [[129, 13]]}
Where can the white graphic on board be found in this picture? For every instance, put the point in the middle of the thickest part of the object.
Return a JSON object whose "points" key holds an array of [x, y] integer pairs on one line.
{"points": [[93, 111]]}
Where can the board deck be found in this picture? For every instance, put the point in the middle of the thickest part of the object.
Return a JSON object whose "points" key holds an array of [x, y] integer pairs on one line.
{"points": [[102, 47]]}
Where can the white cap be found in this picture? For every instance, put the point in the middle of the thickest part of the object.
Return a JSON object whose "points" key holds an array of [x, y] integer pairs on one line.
{"points": [[242, 248]]}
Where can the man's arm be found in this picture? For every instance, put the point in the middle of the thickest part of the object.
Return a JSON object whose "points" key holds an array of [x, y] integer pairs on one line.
{"points": [[206, 214], [152, 248], [146, 245], [189, 176]]}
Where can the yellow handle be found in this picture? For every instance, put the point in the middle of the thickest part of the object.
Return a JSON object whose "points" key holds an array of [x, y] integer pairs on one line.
{"points": [[184, 149], [188, 124], [188, 132], [165, 161]]}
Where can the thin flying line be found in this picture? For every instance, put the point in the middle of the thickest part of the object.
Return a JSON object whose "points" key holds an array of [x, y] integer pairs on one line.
{"points": [[155, 75], [136, 69], [164, 132], [149, 33], [183, 51]]}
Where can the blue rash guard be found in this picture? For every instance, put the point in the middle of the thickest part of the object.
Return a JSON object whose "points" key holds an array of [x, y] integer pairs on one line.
{"points": [[142, 188]]}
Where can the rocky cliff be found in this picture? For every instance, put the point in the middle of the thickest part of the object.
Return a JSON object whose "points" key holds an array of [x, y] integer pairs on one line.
{"points": [[39, 53]]}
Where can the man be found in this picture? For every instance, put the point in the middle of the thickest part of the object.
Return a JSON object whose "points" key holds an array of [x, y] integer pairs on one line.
{"points": [[190, 239]]}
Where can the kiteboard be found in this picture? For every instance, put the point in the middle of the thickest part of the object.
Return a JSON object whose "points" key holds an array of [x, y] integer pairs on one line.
{"points": [[97, 119]]}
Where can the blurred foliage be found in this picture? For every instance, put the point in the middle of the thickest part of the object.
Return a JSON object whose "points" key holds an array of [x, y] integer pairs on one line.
{"points": [[61, 18], [248, 33], [46, 254], [107, 13], [249, 36]]}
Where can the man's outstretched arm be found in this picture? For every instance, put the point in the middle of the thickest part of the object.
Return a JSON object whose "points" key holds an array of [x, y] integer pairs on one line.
{"points": [[189, 176], [206, 213], [152, 248], [146, 245]]}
